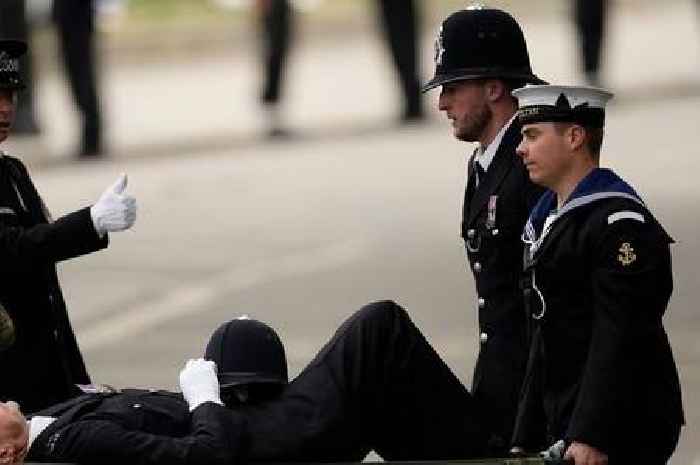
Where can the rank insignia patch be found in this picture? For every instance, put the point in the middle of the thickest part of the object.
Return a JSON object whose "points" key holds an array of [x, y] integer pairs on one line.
{"points": [[627, 255]]}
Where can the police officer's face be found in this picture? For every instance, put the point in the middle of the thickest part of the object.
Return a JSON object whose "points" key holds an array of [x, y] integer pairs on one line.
{"points": [[465, 104], [14, 434], [545, 153], [8, 102]]}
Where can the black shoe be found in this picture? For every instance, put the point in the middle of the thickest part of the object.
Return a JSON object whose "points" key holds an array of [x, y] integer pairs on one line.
{"points": [[278, 134], [91, 152]]}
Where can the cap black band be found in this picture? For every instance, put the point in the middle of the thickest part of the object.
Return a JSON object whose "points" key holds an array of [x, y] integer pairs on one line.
{"points": [[585, 116]]}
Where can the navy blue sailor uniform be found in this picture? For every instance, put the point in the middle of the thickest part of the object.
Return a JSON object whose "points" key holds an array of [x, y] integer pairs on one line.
{"points": [[601, 369], [44, 357], [494, 212], [139, 427]]}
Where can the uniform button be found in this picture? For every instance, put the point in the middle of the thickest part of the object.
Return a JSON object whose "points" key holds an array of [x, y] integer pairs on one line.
{"points": [[483, 337], [136, 406], [481, 302], [477, 267], [470, 234]]}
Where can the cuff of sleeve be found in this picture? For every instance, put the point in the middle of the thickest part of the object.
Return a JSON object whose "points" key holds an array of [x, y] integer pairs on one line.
{"points": [[99, 231], [197, 402]]}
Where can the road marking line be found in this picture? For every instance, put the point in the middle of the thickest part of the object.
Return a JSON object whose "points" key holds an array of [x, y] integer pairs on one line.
{"points": [[193, 299]]}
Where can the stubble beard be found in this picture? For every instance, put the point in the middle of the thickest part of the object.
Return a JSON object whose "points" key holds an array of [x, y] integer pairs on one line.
{"points": [[475, 125]]}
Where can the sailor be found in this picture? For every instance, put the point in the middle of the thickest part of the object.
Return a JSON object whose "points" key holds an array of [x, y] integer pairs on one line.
{"points": [[601, 374]]}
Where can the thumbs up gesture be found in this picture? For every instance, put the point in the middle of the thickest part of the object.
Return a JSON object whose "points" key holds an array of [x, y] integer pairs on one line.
{"points": [[115, 210]]}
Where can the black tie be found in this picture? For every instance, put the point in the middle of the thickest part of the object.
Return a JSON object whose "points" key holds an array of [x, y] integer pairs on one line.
{"points": [[479, 172]]}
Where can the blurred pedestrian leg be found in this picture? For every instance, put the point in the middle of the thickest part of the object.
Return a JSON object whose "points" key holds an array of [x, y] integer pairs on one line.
{"points": [[14, 24], [400, 25], [75, 21], [590, 17], [276, 24]]}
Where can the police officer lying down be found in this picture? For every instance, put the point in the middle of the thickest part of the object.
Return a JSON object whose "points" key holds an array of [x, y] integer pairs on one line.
{"points": [[601, 374], [158, 427], [376, 385]]}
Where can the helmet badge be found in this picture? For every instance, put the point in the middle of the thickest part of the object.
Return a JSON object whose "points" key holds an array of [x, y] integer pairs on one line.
{"points": [[439, 48]]}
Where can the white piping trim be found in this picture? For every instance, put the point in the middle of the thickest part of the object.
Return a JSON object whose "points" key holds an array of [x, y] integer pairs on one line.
{"points": [[625, 215]]}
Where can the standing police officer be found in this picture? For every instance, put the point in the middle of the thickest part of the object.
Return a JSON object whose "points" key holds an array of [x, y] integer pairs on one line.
{"points": [[480, 56], [601, 375], [38, 347]]}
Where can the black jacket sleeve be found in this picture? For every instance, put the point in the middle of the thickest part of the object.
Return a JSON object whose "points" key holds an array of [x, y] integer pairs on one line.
{"points": [[215, 438], [631, 285], [69, 236]]}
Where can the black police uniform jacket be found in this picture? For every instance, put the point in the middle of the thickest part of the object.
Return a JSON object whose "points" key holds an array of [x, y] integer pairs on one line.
{"points": [[139, 427], [44, 360], [601, 370], [494, 214]]}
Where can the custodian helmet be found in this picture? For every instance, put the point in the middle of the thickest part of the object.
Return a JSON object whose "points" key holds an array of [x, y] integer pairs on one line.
{"points": [[481, 43], [247, 352], [10, 52]]}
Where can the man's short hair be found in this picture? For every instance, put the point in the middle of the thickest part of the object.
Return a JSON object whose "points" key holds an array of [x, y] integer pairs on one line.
{"points": [[593, 140]]}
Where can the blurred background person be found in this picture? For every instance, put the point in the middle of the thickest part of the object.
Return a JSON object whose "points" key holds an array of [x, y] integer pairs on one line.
{"points": [[400, 26], [75, 23], [590, 17], [15, 24]]}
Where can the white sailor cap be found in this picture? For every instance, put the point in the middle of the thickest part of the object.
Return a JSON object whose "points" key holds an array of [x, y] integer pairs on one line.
{"points": [[552, 103]]}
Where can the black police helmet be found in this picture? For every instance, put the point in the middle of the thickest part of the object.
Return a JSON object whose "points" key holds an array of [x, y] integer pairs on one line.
{"points": [[247, 352], [10, 52], [481, 43]]}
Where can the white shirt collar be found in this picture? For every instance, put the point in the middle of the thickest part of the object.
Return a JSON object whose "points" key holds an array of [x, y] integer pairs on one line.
{"points": [[36, 425], [485, 156]]}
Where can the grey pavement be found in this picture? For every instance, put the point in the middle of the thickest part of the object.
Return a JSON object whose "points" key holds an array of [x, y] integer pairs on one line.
{"points": [[353, 209]]}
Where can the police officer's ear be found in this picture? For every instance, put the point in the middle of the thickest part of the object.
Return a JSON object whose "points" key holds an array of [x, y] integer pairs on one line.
{"points": [[495, 89]]}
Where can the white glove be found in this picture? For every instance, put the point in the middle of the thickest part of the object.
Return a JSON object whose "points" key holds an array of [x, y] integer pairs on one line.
{"points": [[115, 210], [199, 383]]}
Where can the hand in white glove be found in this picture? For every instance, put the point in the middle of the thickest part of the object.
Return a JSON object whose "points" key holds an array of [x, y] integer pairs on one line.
{"points": [[199, 383], [115, 210]]}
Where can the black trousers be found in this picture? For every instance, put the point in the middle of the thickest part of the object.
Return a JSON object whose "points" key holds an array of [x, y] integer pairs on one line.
{"points": [[277, 33], [75, 21], [400, 24], [376, 385], [590, 17]]}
